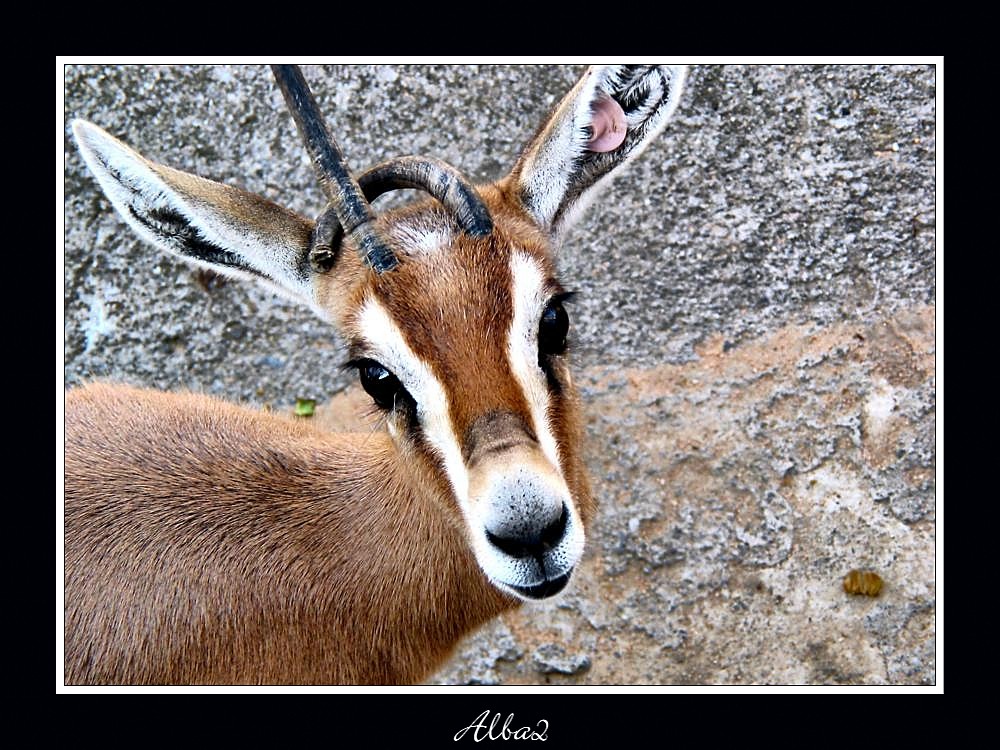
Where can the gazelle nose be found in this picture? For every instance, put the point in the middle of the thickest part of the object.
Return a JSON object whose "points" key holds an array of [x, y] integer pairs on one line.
{"points": [[531, 544]]}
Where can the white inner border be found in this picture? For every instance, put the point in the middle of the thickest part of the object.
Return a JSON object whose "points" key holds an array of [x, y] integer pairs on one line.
{"points": [[62, 60]]}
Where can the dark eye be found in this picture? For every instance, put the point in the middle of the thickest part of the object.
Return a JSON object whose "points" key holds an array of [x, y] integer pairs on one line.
{"points": [[379, 383], [552, 329]]}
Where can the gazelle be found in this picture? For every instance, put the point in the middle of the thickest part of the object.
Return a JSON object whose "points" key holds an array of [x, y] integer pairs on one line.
{"points": [[209, 543]]}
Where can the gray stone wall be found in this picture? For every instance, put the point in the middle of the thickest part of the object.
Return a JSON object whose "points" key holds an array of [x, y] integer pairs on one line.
{"points": [[754, 335]]}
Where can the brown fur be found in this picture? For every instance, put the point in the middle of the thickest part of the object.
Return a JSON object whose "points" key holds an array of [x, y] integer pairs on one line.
{"points": [[458, 308], [209, 544], [238, 548]]}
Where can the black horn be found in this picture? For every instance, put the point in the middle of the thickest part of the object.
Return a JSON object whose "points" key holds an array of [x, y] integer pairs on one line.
{"points": [[434, 176], [438, 178], [350, 210], [346, 198]]}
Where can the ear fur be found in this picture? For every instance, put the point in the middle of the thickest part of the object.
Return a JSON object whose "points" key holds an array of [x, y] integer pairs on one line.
{"points": [[216, 226], [557, 175]]}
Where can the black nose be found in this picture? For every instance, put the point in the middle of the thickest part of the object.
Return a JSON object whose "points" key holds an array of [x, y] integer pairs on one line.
{"points": [[532, 545]]}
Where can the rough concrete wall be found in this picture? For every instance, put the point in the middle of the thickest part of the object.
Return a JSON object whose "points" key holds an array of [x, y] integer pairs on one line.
{"points": [[754, 336]]}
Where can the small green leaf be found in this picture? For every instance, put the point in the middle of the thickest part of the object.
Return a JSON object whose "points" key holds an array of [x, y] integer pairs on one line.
{"points": [[305, 407]]}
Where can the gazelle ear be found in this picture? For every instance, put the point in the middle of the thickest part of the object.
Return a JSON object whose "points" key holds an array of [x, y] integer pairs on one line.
{"points": [[209, 224], [601, 125]]}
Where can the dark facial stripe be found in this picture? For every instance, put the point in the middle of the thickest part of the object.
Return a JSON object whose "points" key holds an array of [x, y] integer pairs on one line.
{"points": [[495, 431]]}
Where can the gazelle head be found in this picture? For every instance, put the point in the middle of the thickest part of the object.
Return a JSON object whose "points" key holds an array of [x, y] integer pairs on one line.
{"points": [[451, 308]]}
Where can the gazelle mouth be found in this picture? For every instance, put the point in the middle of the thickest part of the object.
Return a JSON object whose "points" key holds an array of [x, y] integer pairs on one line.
{"points": [[545, 589]]}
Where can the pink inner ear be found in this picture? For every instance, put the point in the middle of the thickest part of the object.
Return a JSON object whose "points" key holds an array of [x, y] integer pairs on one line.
{"points": [[609, 125]]}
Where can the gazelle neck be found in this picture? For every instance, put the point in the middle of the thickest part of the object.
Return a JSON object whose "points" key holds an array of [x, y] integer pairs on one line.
{"points": [[382, 601], [306, 557]]}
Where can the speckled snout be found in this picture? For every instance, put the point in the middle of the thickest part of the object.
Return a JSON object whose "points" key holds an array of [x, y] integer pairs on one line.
{"points": [[528, 536]]}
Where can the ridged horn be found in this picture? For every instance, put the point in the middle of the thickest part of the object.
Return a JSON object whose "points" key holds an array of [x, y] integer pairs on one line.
{"points": [[346, 198], [440, 179]]}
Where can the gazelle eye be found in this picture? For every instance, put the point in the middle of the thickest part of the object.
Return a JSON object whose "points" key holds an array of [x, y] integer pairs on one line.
{"points": [[552, 329], [379, 383]]}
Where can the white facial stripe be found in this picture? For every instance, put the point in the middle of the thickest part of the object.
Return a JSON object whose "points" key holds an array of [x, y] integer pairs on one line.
{"points": [[390, 349], [530, 297]]}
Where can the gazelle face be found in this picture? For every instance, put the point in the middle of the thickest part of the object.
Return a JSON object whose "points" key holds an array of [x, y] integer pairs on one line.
{"points": [[457, 325], [464, 347]]}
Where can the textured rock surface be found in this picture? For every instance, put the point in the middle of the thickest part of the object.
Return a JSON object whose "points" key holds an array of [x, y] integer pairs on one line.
{"points": [[754, 336]]}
